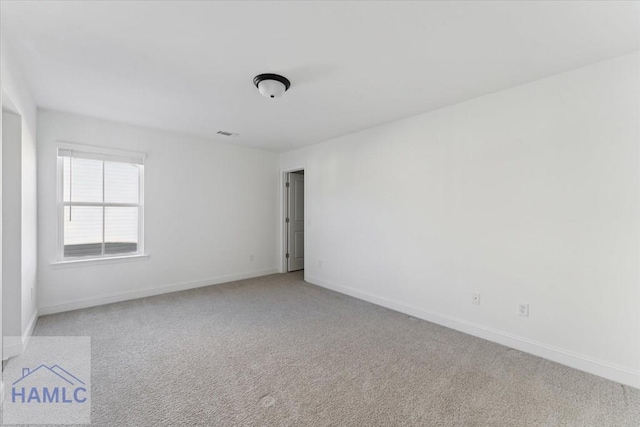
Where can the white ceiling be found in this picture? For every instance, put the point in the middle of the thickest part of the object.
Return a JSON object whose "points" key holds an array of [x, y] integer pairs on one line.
{"points": [[188, 66]]}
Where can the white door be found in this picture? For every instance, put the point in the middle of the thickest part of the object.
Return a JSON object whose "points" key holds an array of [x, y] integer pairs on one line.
{"points": [[295, 222]]}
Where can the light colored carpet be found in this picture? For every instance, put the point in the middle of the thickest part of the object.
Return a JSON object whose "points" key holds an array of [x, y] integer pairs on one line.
{"points": [[276, 351]]}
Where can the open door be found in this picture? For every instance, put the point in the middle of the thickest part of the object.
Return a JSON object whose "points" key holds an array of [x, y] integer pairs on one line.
{"points": [[295, 221]]}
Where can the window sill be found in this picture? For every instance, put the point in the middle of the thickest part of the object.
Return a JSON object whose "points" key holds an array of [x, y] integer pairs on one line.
{"points": [[99, 261]]}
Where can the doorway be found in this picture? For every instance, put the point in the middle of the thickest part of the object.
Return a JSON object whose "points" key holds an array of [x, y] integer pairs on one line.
{"points": [[12, 299], [294, 221]]}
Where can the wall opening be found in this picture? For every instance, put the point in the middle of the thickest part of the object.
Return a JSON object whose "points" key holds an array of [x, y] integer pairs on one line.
{"points": [[294, 221]]}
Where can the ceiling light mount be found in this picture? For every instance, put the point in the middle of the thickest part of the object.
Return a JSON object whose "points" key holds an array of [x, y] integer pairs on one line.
{"points": [[271, 85]]}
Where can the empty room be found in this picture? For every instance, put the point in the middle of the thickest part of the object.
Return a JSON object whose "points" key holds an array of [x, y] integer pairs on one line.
{"points": [[320, 213]]}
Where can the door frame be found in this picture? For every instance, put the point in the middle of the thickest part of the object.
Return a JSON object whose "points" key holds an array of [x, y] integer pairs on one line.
{"points": [[283, 216]]}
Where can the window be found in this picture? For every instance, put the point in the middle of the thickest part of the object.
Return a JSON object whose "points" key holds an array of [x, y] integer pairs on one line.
{"points": [[100, 209]]}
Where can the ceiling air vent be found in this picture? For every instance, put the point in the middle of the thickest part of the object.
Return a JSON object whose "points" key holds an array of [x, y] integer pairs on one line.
{"points": [[225, 133]]}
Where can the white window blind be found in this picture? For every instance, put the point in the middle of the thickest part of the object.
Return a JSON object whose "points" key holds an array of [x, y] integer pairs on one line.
{"points": [[101, 206]]}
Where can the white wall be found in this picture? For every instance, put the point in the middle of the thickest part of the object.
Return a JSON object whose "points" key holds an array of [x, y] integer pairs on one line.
{"points": [[208, 207], [12, 226], [526, 195], [17, 97]]}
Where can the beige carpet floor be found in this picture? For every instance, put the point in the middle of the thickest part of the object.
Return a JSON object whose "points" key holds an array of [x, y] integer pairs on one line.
{"points": [[276, 351]]}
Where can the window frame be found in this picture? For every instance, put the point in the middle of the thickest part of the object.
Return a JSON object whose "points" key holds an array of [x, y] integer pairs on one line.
{"points": [[60, 203]]}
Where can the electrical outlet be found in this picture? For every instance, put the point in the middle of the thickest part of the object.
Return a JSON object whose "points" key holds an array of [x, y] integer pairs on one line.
{"points": [[475, 299], [523, 309], [251, 257]]}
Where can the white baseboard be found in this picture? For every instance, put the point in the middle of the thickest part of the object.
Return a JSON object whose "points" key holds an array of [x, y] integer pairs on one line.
{"points": [[11, 347], [29, 329], [147, 292], [14, 346], [559, 355]]}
